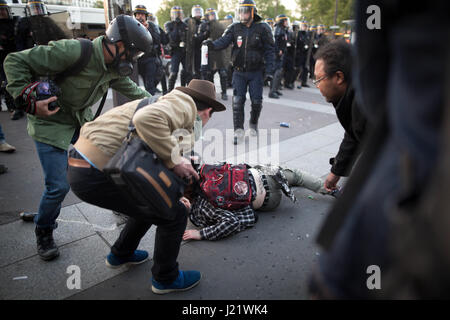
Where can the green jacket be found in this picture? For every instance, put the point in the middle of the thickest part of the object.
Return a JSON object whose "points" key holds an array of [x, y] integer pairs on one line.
{"points": [[79, 92]]}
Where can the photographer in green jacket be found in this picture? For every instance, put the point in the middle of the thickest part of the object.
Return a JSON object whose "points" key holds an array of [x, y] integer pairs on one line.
{"points": [[55, 127]]}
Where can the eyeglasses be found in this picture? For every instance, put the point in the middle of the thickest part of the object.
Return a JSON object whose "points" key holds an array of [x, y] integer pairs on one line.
{"points": [[316, 82]]}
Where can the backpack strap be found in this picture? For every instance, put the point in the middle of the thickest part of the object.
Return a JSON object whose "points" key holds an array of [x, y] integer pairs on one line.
{"points": [[83, 60], [143, 103]]}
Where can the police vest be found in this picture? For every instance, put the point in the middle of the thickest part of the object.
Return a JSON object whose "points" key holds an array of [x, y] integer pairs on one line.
{"points": [[248, 47]]}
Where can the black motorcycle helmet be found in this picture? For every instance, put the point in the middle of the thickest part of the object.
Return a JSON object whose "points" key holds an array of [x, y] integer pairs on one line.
{"points": [[36, 8], [5, 7], [246, 6], [135, 37]]}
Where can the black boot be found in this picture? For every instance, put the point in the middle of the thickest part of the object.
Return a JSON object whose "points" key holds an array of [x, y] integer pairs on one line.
{"points": [[223, 84], [238, 118], [46, 246], [277, 81], [273, 87], [254, 117]]}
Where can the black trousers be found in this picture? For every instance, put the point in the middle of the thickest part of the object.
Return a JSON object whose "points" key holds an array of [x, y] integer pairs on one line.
{"points": [[92, 186]]}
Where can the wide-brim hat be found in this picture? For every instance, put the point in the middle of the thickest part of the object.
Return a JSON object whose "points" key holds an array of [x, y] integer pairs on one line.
{"points": [[205, 91]]}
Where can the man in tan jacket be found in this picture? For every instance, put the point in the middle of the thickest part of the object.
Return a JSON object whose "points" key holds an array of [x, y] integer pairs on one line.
{"points": [[186, 108]]}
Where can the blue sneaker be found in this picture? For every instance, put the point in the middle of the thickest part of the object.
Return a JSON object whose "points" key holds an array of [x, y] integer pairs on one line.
{"points": [[185, 281], [139, 256]]}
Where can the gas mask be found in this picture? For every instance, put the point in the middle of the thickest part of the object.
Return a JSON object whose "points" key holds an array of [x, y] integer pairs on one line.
{"points": [[124, 67]]}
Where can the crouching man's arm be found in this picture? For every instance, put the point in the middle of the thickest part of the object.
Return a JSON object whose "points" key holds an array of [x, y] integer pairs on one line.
{"points": [[342, 163]]}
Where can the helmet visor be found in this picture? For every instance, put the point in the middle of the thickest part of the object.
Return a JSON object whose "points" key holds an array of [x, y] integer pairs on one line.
{"points": [[176, 14], [5, 12], [245, 13], [197, 12], [36, 9], [212, 15]]}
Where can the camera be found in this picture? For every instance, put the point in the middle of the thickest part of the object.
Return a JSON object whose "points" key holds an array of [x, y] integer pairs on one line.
{"points": [[46, 89]]}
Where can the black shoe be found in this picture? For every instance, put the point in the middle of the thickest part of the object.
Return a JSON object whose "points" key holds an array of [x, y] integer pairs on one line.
{"points": [[3, 168], [305, 85], [273, 95], [278, 93], [28, 216], [17, 114], [289, 86], [224, 96], [46, 246]]}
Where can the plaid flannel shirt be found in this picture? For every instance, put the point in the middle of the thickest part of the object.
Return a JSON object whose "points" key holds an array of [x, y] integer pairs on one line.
{"points": [[219, 223]]}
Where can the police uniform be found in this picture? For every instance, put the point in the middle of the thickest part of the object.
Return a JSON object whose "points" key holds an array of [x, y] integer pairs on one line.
{"points": [[303, 43], [193, 45], [150, 65], [253, 49], [176, 31], [281, 39], [217, 60]]}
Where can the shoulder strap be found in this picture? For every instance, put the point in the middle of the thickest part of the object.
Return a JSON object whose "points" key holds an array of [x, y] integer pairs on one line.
{"points": [[85, 56], [143, 103]]}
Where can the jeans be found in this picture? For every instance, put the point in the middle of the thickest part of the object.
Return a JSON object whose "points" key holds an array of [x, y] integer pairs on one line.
{"points": [[253, 80], [92, 186], [54, 164]]}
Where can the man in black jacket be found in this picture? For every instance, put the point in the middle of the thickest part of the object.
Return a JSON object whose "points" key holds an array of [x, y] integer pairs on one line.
{"points": [[333, 78]]}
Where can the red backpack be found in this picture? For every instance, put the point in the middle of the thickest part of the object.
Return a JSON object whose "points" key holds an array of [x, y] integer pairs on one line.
{"points": [[226, 186]]}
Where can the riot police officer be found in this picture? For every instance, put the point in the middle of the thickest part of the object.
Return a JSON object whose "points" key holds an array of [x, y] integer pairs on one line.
{"points": [[176, 30], [290, 70], [193, 43], [253, 48], [271, 23], [7, 45], [229, 20], [37, 28], [150, 65], [217, 61], [281, 39], [303, 43], [319, 40]]}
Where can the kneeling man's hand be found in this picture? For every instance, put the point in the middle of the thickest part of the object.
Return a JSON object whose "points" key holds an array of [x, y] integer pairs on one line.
{"points": [[331, 182]]}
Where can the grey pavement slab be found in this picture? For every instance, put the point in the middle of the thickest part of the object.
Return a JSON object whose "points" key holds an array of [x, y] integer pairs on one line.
{"points": [[48, 280], [272, 260], [18, 240], [316, 162], [289, 149]]}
